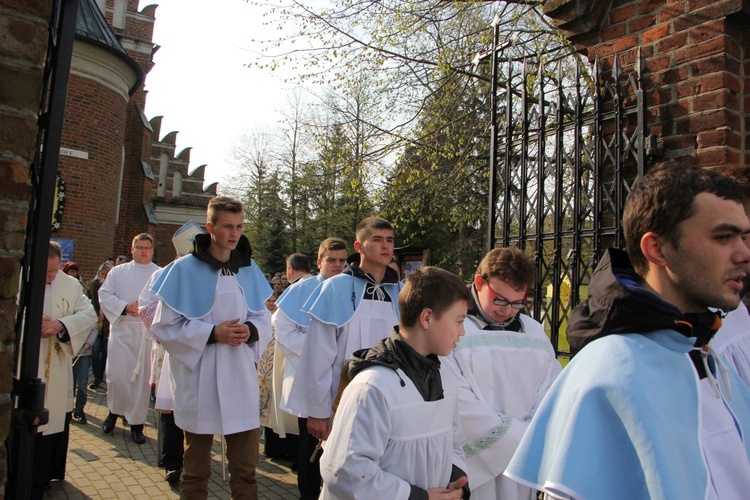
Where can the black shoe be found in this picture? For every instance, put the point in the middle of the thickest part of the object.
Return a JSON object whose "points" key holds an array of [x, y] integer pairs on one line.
{"points": [[109, 423], [173, 475], [80, 417], [95, 384], [136, 432]]}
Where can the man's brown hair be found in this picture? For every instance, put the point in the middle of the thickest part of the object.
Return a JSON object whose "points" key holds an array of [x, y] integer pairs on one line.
{"points": [[665, 197], [510, 265], [430, 288], [329, 244], [222, 204], [367, 225], [142, 237]]}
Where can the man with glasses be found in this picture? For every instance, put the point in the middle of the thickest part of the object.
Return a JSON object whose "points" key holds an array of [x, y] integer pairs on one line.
{"points": [[505, 364], [129, 350]]}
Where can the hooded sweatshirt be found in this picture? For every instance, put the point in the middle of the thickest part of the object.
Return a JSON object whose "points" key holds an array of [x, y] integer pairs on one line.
{"points": [[424, 371], [618, 304]]}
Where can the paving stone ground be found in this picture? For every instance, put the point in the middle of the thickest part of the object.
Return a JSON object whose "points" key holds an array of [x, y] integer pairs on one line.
{"points": [[112, 466]]}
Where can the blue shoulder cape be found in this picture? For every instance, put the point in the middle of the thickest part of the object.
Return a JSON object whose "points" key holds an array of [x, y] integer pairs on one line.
{"points": [[622, 422], [294, 297], [336, 300], [188, 286]]}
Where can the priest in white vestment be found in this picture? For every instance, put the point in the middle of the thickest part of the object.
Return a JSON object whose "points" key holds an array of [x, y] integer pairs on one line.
{"points": [[129, 350], [505, 364], [68, 318]]}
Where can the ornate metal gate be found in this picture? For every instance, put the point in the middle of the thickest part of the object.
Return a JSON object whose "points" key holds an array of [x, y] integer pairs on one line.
{"points": [[28, 390], [572, 147]]}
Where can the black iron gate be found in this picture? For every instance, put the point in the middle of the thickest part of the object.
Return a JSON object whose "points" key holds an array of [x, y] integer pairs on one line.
{"points": [[573, 145], [28, 390]]}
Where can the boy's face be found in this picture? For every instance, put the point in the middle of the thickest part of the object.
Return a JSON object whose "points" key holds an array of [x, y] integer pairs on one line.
{"points": [[444, 332], [376, 248], [226, 231], [489, 293], [332, 263]]}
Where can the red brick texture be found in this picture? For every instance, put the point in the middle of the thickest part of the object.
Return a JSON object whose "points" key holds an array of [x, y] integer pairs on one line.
{"points": [[111, 128], [697, 57], [23, 45]]}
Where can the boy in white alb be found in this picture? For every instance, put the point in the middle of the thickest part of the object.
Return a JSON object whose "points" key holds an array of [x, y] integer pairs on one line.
{"points": [[349, 312], [290, 326], [505, 364], [212, 321], [397, 433]]}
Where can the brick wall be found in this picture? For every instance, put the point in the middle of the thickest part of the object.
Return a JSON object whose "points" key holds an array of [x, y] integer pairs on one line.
{"points": [[175, 210], [108, 126], [94, 123], [23, 45], [136, 39], [696, 55]]}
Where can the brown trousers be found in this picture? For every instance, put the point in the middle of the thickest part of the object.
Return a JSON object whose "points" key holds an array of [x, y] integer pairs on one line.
{"points": [[242, 458]]}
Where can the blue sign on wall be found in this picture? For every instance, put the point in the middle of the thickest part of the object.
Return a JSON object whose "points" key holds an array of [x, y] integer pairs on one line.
{"points": [[67, 248]]}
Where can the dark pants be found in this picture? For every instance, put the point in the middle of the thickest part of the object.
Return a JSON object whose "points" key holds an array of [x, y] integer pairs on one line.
{"points": [[171, 442], [308, 474], [50, 453], [242, 458], [80, 381], [99, 357]]}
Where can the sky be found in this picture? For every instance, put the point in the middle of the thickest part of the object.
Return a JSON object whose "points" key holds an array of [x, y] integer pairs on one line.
{"points": [[199, 83]]}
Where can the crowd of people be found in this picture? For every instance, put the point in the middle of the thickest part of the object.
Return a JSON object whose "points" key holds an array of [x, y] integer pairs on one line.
{"points": [[427, 387]]}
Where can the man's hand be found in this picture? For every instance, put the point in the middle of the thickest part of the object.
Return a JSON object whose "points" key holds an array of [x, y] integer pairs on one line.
{"points": [[50, 327], [232, 332], [132, 308], [318, 427], [452, 492]]}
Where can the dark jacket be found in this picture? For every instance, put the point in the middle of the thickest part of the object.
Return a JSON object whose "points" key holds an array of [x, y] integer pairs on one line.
{"points": [[393, 352], [618, 304]]}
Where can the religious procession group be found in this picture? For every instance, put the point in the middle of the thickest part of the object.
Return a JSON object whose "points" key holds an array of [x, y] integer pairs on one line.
{"points": [[429, 388]]}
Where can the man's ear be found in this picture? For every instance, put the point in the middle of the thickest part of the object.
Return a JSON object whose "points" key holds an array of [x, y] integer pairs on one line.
{"points": [[652, 247], [357, 246], [209, 228]]}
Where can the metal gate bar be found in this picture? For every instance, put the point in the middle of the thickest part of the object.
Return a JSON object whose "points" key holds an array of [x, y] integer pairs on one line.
{"points": [[571, 149]]}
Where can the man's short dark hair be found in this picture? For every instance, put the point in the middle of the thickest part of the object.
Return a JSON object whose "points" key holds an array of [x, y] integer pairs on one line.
{"points": [[740, 175], [222, 204], [298, 262], [510, 265], [369, 224], [663, 198], [430, 288], [330, 244]]}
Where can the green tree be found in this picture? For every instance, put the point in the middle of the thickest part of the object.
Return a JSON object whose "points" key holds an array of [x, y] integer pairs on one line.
{"points": [[258, 184]]}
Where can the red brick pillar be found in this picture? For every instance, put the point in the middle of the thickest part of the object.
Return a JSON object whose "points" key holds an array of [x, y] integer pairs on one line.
{"points": [[23, 45], [697, 71]]}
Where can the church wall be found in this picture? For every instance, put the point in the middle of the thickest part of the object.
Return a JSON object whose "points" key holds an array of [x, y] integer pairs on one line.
{"points": [[23, 45], [695, 54], [95, 125]]}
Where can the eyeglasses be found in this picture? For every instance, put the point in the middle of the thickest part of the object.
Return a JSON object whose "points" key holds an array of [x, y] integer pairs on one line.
{"points": [[143, 248], [502, 301]]}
